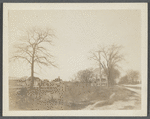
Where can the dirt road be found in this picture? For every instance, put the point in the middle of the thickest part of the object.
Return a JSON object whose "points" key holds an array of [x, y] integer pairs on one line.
{"points": [[123, 98]]}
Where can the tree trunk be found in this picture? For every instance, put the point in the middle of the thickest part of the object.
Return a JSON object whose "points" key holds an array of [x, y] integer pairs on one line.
{"points": [[100, 74], [32, 69], [108, 79], [32, 74]]}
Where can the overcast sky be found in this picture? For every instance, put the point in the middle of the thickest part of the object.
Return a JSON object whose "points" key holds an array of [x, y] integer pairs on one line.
{"points": [[77, 32]]}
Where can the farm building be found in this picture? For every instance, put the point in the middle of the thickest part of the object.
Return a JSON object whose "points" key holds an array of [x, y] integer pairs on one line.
{"points": [[37, 82]]}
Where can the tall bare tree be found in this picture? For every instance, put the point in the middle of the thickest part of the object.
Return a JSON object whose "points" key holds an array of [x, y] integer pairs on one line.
{"points": [[96, 55], [32, 49], [107, 58]]}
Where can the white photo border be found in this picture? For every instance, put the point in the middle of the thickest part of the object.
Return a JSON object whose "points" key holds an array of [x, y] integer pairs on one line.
{"points": [[78, 6]]}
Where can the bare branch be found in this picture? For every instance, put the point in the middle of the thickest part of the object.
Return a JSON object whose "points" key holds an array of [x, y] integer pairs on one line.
{"points": [[24, 50], [45, 61], [21, 57], [111, 57], [31, 50]]}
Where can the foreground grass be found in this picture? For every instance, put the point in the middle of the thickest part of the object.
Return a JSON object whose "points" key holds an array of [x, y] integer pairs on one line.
{"points": [[75, 97]]}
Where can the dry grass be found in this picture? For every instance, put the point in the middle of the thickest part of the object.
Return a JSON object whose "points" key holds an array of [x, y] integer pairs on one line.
{"points": [[75, 97]]}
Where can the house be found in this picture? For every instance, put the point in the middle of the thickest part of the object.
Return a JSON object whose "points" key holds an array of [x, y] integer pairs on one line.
{"points": [[98, 82], [37, 82], [104, 82]]}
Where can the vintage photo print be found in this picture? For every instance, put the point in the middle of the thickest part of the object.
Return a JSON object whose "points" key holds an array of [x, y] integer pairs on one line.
{"points": [[65, 59]]}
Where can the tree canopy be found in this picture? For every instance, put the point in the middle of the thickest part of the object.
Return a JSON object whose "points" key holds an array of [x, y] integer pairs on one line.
{"points": [[108, 59], [32, 48], [85, 76]]}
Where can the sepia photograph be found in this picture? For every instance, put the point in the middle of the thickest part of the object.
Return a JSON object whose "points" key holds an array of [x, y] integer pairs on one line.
{"points": [[75, 59]]}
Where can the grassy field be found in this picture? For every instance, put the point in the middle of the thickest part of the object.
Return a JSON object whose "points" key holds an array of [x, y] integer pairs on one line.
{"points": [[75, 97]]}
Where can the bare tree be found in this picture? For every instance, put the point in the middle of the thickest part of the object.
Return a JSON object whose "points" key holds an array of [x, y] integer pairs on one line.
{"points": [[108, 59], [96, 55], [32, 49]]}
